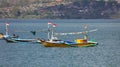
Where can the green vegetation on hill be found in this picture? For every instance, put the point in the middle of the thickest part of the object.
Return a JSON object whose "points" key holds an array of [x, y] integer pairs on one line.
{"points": [[59, 9]]}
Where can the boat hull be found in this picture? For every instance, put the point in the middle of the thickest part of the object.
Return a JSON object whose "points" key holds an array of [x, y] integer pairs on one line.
{"points": [[16, 40], [49, 44]]}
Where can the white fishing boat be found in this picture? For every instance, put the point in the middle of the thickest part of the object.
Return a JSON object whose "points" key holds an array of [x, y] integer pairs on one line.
{"points": [[14, 38]]}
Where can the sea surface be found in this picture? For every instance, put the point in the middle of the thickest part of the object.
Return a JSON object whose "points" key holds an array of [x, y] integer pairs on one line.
{"points": [[105, 54]]}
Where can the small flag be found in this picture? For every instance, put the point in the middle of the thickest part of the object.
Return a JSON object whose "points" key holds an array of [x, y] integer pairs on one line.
{"points": [[7, 24], [49, 23], [54, 25]]}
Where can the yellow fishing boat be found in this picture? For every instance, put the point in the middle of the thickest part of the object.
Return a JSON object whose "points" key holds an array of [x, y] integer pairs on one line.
{"points": [[55, 42]]}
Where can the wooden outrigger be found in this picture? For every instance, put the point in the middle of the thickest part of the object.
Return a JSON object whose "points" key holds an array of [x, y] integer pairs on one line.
{"points": [[55, 42]]}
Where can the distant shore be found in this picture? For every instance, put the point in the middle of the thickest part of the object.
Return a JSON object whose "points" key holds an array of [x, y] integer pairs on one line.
{"points": [[82, 9]]}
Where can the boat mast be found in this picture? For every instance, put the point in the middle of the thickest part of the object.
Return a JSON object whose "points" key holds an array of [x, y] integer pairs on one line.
{"points": [[85, 33], [52, 34], [48, 32], [49, 23], [7, 24]]}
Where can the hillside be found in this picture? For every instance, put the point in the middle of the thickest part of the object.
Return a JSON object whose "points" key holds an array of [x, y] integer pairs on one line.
{"points": [[58, 9]]}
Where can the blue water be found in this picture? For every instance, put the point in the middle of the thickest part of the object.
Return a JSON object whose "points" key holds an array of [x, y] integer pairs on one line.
{"points": [[106, 54]]}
